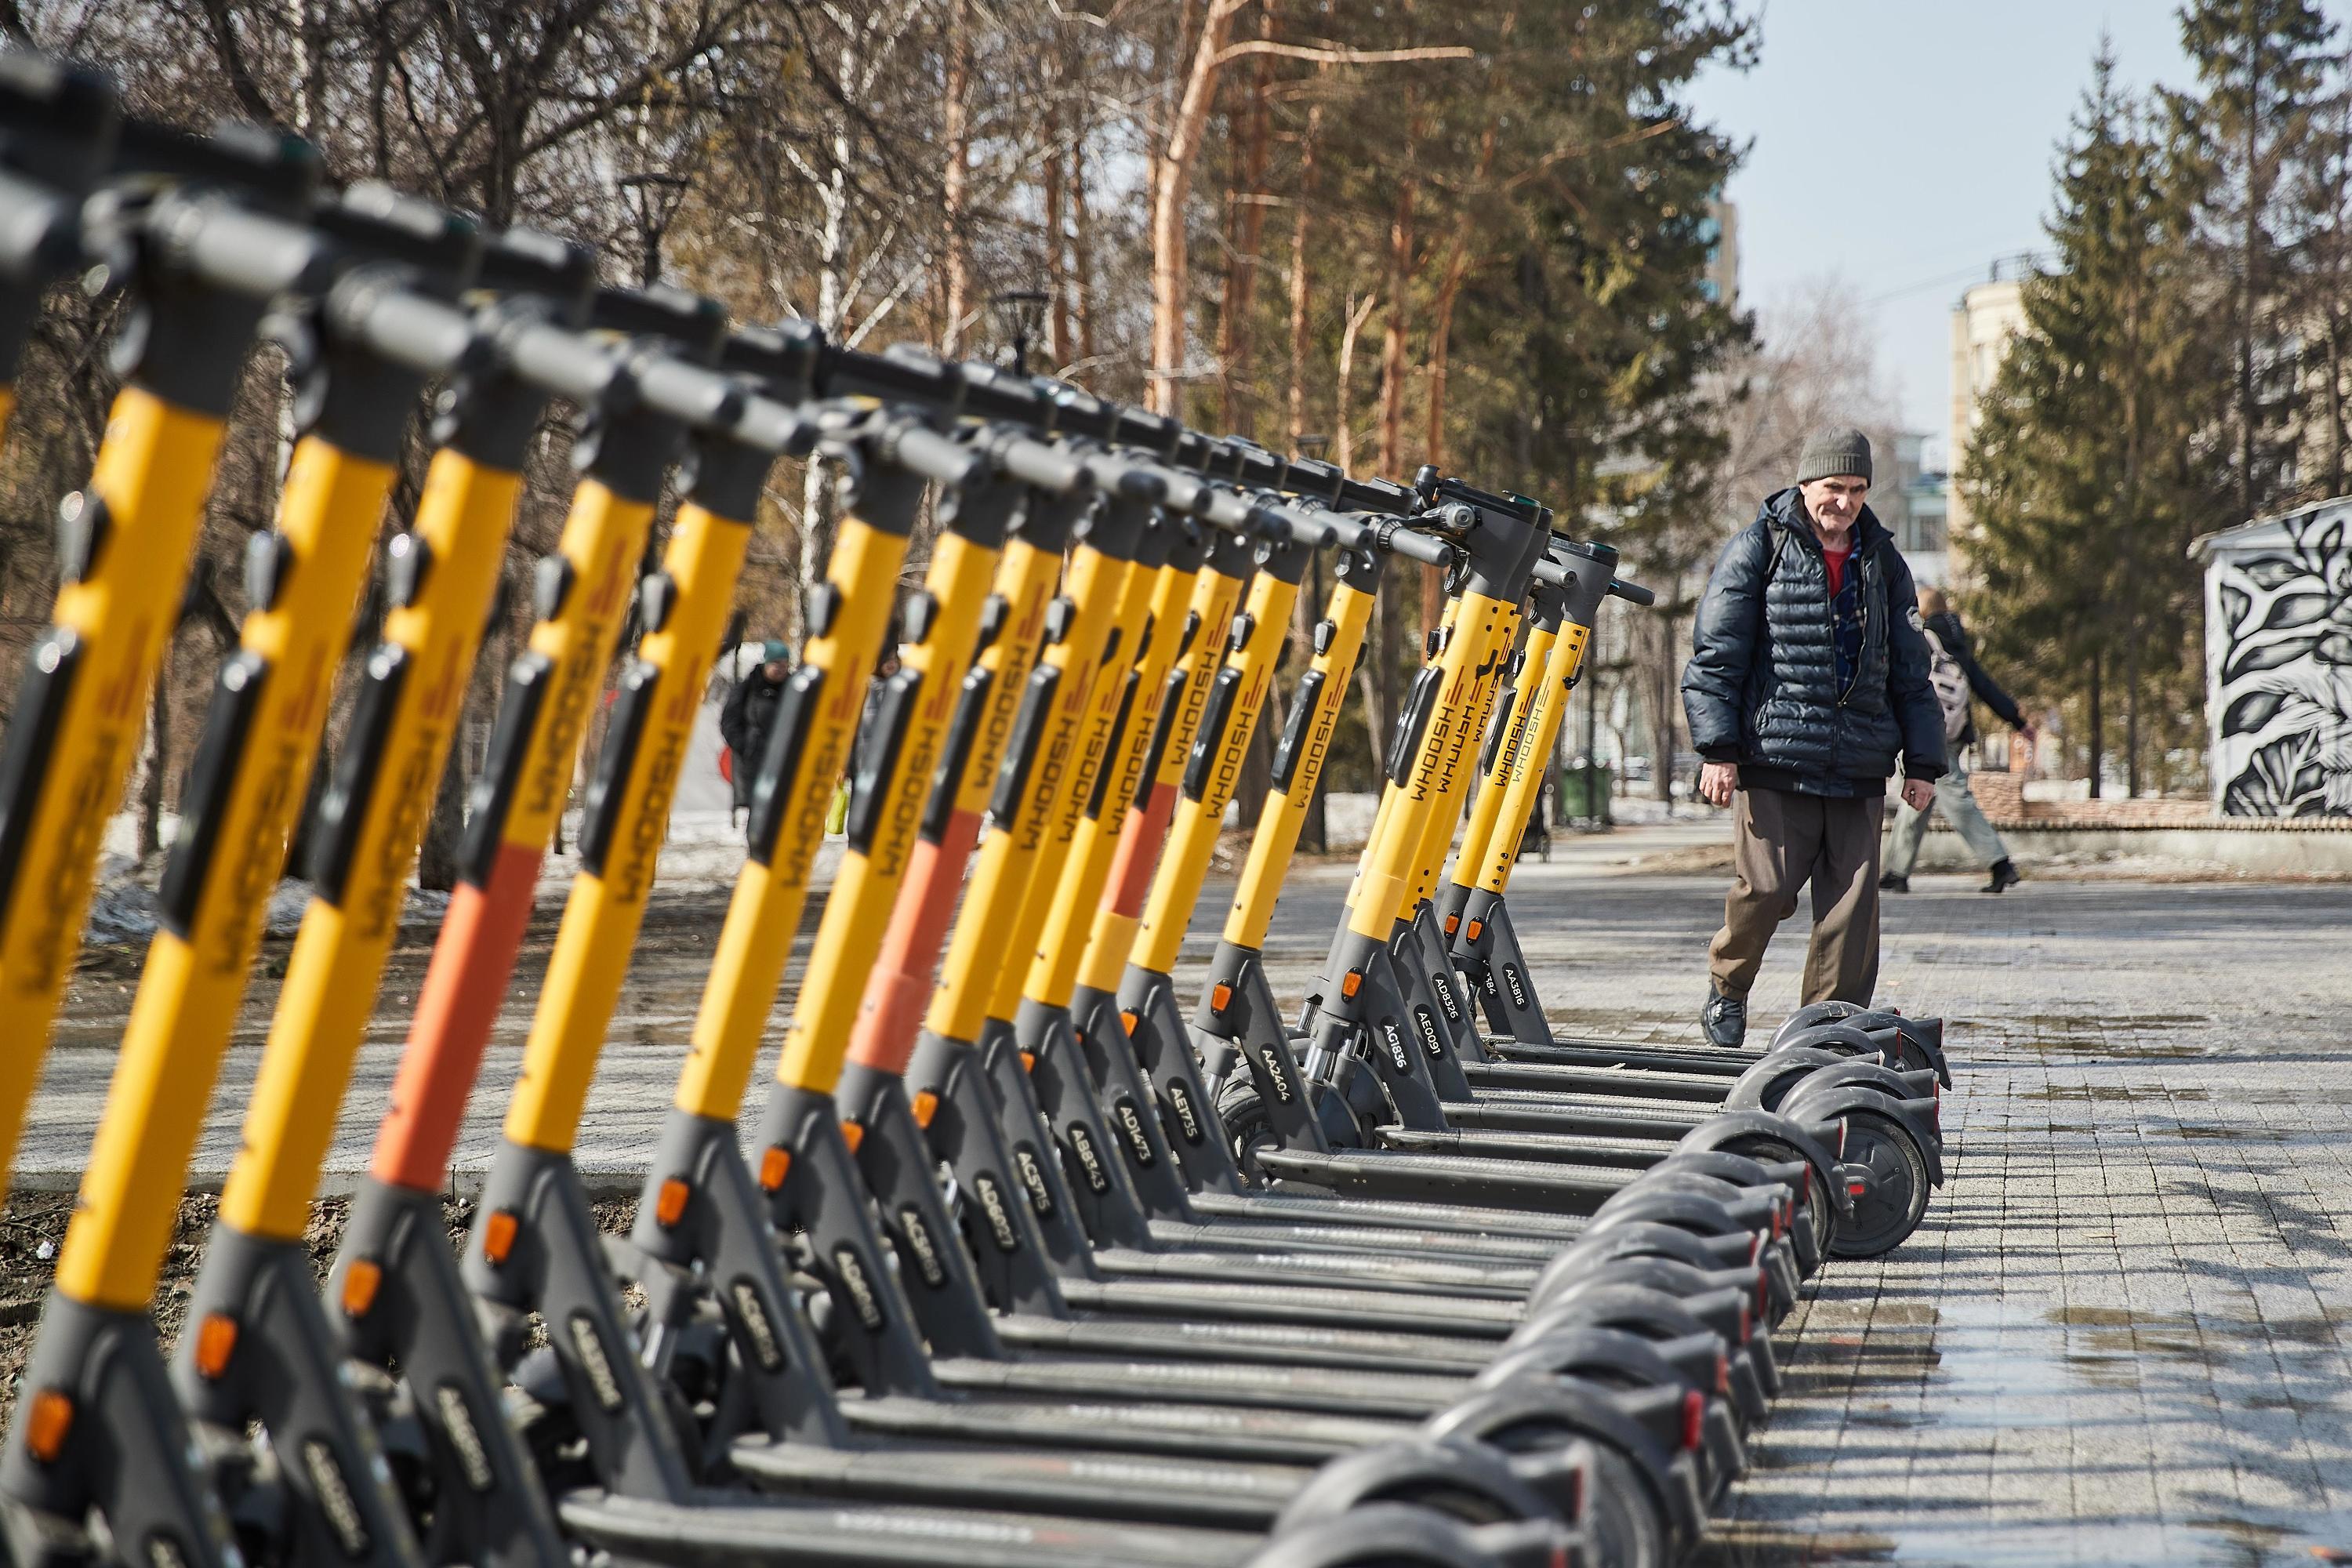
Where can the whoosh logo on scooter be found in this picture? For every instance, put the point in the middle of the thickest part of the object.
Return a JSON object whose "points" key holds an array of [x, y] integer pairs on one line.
{"points": [[797, 845], [88, 804], [253, 871], [1235, 747], [650, 823], [1035, 812], [403, 828]]}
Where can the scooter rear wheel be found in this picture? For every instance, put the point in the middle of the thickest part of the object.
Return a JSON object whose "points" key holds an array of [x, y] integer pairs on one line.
{"points": [[1897, 1199]]}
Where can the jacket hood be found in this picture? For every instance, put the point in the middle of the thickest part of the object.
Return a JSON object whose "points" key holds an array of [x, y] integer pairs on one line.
{"points": [[1785, 509]]}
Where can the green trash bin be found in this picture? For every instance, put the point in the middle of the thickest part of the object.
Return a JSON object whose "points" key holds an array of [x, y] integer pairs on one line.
{"points": [[1584, 794]]}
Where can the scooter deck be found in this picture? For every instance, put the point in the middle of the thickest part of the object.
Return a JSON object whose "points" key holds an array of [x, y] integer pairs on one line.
{"points": [[1587, 1051], [730, 1531], [1273, 1344], [1204, 1431], [1201, 1493], [1392, 1310], [1331, 1271], [1545, 1113], [1698, 1088], [1308, 1205], [1396, 1241], [1543, 1188], [1318, 1390]]}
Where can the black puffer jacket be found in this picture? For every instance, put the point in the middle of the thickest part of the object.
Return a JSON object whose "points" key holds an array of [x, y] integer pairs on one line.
{"points": [[1761, 689]]}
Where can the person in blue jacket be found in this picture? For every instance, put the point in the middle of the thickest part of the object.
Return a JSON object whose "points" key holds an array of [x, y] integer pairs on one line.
{"points": [[1808, 684]]}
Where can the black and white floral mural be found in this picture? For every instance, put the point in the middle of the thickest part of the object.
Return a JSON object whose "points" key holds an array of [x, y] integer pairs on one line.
{"points": [[2278, 644]]}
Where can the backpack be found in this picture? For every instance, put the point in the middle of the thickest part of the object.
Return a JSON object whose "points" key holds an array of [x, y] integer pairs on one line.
{"points": [[1951, 684]]}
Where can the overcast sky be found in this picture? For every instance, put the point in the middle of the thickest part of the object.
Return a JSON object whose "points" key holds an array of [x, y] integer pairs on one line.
{"points": [[1907, 143]]}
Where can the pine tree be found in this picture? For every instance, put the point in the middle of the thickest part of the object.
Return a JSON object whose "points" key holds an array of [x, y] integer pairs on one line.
{"points": [[2261, 64], [2094, 466]]}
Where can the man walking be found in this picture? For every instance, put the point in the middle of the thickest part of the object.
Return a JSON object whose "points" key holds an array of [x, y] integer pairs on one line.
{"points": [[1808, 680], [749, 713], [1954, 672]]}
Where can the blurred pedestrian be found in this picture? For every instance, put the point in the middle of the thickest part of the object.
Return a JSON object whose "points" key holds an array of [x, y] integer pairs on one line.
{"points": [[1806, 683], [1957, 677], [749, 713]]}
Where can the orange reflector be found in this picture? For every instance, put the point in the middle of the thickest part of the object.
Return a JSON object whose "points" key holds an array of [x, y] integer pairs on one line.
{"points": [[1693, 1420], [1453, 925], [498, 1235], [1722, 1372], [1475, 927], [1127, 1017], [1028, 1062], [1351, 982], [774, 1166], [215, 1343], [927, 1105], [46, 1424], [360, 1283], [853, 1133], [1220, 996], [669, 1204]]}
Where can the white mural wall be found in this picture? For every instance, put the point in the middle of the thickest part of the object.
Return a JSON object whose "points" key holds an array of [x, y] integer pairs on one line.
{"points": [[2278, 659]]}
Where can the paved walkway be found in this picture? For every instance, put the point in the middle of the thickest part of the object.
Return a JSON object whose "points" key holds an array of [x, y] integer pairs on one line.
{"points": [[2119, 1338]]}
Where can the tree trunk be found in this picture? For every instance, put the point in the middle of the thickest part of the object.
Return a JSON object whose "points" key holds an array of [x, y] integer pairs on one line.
{"points": [[1172, 184], [1058, 280], [1082, 252], [158, 760], [1245, 203], [1301, 275], [955, 182], [2097, 737]]}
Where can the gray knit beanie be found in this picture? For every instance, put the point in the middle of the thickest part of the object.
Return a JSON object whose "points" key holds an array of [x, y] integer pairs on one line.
{"points": [[1835, 454]]}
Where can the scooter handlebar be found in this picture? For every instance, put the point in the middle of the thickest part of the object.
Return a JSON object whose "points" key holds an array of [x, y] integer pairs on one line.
{"points": [[1429, 550], [1633, 593], [924, 452], [1039, 464]]}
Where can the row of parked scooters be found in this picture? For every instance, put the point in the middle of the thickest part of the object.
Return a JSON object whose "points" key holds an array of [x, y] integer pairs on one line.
{"points": [[1022, 1264]]}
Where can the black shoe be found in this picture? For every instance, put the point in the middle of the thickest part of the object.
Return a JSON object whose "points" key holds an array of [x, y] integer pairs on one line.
{"points": [[2004, 875], [1891, 883], [1724, 1019]]}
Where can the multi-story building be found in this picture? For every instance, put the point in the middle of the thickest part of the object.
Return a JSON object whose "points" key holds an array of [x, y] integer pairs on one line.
{"points": [[1984, 320], [1722, 280]]}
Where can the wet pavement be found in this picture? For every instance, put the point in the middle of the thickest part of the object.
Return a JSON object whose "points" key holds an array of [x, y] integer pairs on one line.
{"points": [[2120, 1336]]}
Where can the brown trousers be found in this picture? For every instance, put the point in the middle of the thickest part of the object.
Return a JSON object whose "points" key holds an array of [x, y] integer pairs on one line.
{"points": [[1782, 841]]}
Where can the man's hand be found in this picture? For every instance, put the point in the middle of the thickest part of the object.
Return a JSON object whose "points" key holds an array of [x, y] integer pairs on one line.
{"points": [[1917, 793], [1717, 781]]}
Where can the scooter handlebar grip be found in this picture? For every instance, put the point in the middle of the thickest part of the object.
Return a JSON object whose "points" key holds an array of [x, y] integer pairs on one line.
{"points": [[1420, 547], [564, 364], [1633, 593], [940, 459], [1041, 464], [414, 330], [688, 393], [1311, 529]]}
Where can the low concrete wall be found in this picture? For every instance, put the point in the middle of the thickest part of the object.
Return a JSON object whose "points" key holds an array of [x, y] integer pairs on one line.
{"points": [[2322, 853]]}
